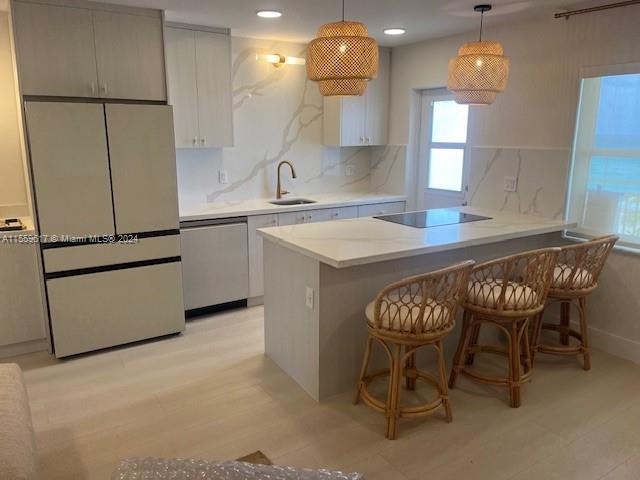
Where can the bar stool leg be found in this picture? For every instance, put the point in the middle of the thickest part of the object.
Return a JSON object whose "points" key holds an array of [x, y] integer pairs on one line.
{"points": [[565, 322], [514, 365], [473, 342], [410, 369], [584, 331], [526, 347], [393, 398], [444, 391], [536, 332], [458, 359], [363, 371]]}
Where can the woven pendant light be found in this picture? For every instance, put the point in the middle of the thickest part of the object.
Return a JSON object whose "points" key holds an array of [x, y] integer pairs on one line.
{"points": [[343, 58], [480, 70]]}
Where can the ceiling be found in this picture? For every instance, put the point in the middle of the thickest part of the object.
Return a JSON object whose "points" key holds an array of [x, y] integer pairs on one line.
{"points": [[423, 19]]}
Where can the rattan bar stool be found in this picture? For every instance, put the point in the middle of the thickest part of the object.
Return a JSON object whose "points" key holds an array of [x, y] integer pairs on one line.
{"points": [[575, 276], [412, 313], [505, 293]]}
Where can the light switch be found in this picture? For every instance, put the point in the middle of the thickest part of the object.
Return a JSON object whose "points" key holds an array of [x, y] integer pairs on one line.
{"points": [[510, 184], [350, 170], [308, 298], [223, 176]]}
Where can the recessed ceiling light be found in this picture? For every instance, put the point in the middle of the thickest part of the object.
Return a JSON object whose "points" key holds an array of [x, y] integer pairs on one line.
{"points": [[269, 13], [395, 31]]}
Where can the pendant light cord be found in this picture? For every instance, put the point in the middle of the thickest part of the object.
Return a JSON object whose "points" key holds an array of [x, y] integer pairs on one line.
{"points": [[481, 19], [343, 10]]}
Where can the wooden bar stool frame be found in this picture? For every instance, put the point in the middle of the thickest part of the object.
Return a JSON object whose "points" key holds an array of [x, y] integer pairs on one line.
{"points": [[420, 312], [506, 293], [575, 277]]}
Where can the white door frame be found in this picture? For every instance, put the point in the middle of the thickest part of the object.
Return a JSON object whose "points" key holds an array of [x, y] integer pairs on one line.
{"points": [[440, 197]]}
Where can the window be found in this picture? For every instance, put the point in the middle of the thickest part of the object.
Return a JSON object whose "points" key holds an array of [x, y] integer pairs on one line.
{"points": [[605, 178], [447, 142]]}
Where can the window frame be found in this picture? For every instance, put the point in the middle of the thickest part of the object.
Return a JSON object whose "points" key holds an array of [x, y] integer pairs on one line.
{"points": [[429, 97], [583, 150]]}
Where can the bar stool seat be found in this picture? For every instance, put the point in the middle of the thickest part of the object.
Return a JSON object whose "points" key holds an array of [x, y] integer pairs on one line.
{"points": [[575, 276], [399, 308], [486, 294], [410, 314], [504, 293]]}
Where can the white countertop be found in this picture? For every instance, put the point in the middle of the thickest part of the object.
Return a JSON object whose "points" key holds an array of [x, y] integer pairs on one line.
{"points": [[261, 206], [345, 243], [29, 229]]}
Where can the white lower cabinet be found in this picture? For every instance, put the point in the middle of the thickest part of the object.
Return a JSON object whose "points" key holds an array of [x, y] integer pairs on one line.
{"points": [[98, 310], [212, 270], [381, 209], [344, 212], [256, 272], [22, 313], [214, 264], [321, 215]]}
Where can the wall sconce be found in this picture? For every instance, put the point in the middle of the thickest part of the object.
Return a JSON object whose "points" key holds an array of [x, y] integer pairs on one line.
{"points": [[278, 60]]}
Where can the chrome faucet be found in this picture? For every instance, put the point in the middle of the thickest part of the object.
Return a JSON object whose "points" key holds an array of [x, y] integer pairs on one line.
{"points": [[279, 191]]}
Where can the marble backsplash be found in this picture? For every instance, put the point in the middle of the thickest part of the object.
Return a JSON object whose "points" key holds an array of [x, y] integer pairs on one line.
{"points": [[541, 173], [278, 116]]}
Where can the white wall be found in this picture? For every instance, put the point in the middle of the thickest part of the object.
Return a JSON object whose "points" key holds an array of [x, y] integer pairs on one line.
{"points": [[277, 116], [13, 192], [528, 132]]}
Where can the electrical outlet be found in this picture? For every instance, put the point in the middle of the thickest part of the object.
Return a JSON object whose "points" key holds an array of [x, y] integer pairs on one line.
{"points": [[308, 298], [510, 184], [223, 176], [350, 170]]}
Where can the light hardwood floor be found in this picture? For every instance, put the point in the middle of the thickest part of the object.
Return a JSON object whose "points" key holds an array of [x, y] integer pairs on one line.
{"points": [[212, 394]]}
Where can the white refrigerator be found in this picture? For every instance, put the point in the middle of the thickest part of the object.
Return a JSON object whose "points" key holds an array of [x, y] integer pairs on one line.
{"points": [[104, 177]]}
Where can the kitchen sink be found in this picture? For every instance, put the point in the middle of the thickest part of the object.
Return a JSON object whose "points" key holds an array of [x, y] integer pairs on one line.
{"points": [[292, 201]]}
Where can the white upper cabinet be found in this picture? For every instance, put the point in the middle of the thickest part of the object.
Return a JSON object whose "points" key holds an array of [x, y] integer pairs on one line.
{"points": [[213, 66], [359, 121], [83, 52], [130, 56], [199, 72], [183, 90], [55, 47]]}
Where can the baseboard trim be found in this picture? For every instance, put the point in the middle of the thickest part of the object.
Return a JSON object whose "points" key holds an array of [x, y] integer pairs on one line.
{"points": [[613, 344], [255, 301], [23, 348]]}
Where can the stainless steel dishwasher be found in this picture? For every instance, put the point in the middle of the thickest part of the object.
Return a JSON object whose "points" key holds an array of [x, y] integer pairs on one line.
{"points": [[215, 262]]}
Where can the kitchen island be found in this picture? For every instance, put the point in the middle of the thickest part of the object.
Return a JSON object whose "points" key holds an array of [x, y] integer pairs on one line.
{"points": [[319, 277]]}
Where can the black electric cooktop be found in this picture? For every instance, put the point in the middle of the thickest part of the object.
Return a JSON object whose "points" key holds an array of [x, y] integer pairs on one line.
{"points": [[432, 218]]}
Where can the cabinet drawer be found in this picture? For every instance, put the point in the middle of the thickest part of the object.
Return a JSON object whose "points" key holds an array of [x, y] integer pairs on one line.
{"points": [[215, 265], [88, 256], [344, 212], [99, 310], [380, 209]]}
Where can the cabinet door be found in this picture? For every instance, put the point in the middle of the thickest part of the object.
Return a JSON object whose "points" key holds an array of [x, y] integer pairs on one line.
{"points": [[292, 218], [377, 103], [215, 265], [143, 167], [213, 60], [129, 55], [344, 212], [183, 91], [70, 168], [323, 215], [380, 209], [100, 310], [353, 121], [22, 314], [55, 50], [256, 266]]}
